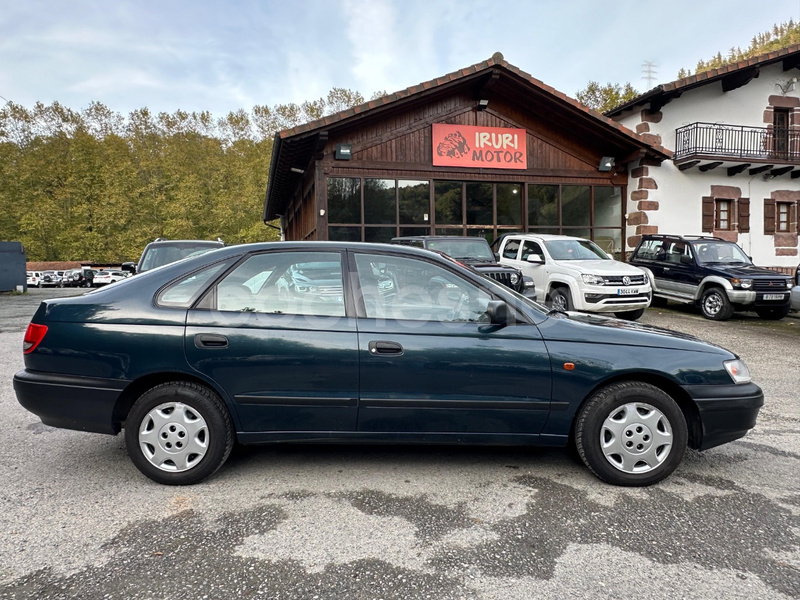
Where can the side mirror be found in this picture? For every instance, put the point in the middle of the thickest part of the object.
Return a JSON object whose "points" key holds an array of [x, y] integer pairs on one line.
{"points": [[535, 258], [497, 256], [498, 312], [686, 260]]}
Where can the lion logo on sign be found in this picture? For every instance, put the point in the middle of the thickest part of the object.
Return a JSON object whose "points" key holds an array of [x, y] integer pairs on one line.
{"points": [[454, 145]]}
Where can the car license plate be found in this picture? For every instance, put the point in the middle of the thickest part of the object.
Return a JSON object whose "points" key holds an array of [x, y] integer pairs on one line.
{"points": [[774, 296], [628, 292]]}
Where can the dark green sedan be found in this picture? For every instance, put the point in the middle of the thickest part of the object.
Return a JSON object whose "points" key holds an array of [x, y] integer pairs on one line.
{"points": [[332, 342]]}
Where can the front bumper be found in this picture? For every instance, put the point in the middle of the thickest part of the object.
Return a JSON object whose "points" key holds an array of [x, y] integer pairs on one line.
{"points": [[69, 401], [610, 299], [727, 412]]}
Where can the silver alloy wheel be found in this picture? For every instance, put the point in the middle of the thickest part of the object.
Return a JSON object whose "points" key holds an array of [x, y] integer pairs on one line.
{"points": [[636, 437], [173, 437], [559, 301], [712, 303]]}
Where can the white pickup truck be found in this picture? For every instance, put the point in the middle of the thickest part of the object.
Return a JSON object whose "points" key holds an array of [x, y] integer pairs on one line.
{"points": [[572, 273]]}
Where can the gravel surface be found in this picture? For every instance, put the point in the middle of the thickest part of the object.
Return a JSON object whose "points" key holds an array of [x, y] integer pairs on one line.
{"points": [[79, 521]]}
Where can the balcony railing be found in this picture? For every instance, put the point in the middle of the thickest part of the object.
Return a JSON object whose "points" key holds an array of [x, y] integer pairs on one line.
{"points": [[737, 142]]}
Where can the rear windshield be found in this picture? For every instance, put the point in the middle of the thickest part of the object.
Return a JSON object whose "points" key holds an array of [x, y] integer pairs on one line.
{"points": [[476, 249]]}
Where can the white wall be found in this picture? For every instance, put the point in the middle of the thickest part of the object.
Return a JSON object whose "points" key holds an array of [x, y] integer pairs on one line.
{"points": [[680, 193]]}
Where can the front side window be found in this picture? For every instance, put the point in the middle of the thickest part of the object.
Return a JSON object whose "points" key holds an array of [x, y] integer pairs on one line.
{"points": [[530, 248], [294, 283], [394, 287]]}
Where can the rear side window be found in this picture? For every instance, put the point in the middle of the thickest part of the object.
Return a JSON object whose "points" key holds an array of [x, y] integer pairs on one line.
{"points": [[183, 292], [651, 250], [511, 249], [292, 283]]}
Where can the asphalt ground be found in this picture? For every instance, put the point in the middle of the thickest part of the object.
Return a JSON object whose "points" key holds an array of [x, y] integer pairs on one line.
{"points": [[77, 520]]}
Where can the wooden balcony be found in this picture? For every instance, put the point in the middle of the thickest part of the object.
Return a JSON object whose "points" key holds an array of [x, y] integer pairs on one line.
{"points": [[738, 148]]}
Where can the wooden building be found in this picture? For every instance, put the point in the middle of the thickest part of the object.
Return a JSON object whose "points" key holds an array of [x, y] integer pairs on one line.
{"points": [[482, 151]]}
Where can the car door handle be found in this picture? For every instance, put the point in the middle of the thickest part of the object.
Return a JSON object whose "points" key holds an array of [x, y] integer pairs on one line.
{"points": [[385, 348], [210, 340]]}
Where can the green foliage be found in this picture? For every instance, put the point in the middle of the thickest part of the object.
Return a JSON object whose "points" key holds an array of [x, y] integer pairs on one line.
{"points": [[781, 36], [97, 186], [605, 97]]}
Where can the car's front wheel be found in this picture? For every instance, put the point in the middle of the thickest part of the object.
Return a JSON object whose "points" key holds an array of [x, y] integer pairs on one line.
{"points": [[631, 434], [179, 433], [715, 305], [560, 299]]}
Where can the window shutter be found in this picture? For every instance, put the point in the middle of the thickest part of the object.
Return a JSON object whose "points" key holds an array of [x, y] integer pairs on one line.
{"points": [[769, 216], [744, 215], [793, 218], [708, 214]]}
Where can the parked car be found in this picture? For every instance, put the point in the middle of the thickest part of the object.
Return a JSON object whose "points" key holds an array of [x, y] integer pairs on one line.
{"points": [[163, 252], [384, 361], [105, 277], [50, 279], [572, 273], [475, 252], [34, 278], [796, 290], [713, 273]]}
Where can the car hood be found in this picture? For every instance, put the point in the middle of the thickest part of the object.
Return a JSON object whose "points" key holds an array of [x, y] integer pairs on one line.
{"points": [[740, 270], [590, 328], [600, 267]]}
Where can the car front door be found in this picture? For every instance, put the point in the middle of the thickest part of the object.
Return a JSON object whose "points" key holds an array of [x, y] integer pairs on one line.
{"points": [[275, 335], [430, 363]]}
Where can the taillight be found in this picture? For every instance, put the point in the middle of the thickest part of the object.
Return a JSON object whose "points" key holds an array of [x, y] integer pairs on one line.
{"points": [[33, 336]]}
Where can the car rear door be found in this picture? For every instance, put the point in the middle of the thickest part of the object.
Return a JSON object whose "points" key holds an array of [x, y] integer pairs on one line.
{"points": [[430, 363], [280, 343]]}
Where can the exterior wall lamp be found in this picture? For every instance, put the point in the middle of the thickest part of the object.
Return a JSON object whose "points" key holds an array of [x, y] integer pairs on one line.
{"points": [[483, 104], [606, 163]]}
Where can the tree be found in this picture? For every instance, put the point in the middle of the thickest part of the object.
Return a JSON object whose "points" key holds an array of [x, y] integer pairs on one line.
{"points": [[603, 98]]}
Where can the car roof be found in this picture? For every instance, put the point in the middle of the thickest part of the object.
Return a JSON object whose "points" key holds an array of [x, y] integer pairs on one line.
{"points": [[544, 236]]}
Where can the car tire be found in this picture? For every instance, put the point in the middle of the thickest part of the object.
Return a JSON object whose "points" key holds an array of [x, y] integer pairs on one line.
{"points": [[560, 299], [630, 315], [179, 433], [631, 434], [715, 305], [773, 314]]}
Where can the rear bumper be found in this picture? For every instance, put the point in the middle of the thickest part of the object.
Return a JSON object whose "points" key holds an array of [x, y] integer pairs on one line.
{"points": [[726, 412], [68, 401]]}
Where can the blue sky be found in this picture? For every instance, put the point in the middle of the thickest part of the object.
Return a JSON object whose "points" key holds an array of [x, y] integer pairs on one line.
{"points": [[222, 56]]}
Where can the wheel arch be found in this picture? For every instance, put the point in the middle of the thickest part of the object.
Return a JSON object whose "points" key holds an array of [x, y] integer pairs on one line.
{"points": [[675, 391], [139, 386]]}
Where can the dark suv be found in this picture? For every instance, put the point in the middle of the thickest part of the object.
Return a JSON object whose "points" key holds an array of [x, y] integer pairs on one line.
{"points": [[475, 252], [163, 252], [713, 273]]}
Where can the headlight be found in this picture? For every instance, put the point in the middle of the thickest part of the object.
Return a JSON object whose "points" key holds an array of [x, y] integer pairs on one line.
{"points": [[737, 370], [789, 284], [514, 278], [593, 279], [745, 284]]}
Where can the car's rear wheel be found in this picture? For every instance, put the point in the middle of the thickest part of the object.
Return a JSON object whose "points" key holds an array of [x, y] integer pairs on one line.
{"points": [[773, 314], [630, 315], [715, 305], [179, 433], [560, 299], [631, 434]]}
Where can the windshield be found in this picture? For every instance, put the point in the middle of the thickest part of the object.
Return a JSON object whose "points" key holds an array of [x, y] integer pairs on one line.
{"points": [[575, 250], [476, 249], [719, 252], [158, 256]]}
